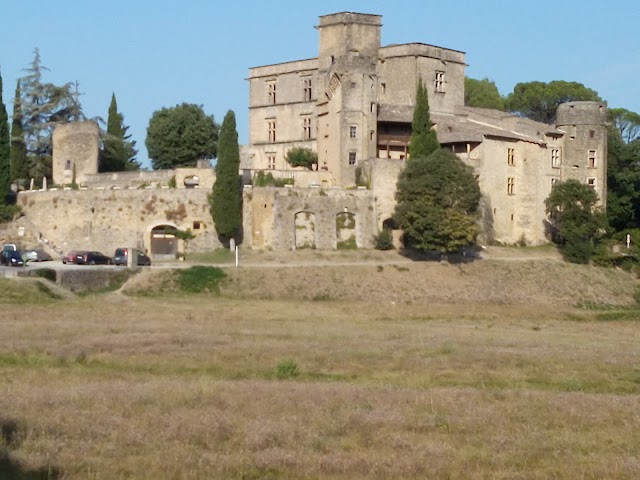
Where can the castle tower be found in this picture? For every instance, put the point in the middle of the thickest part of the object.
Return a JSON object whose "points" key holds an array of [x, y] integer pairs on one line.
{"points": [[347, 83], [75, 145], [585, 146]]}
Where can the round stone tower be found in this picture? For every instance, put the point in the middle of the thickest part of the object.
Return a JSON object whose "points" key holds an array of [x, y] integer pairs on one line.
{"points": [[75, 145], [585, 147]]}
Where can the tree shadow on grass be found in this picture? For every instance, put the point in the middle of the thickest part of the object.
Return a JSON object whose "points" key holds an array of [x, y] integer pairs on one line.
{"points": [[11, 469], [466, 255]]}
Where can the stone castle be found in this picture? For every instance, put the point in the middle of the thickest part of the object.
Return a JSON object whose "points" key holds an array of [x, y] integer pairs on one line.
{"points": [[353, 105]]}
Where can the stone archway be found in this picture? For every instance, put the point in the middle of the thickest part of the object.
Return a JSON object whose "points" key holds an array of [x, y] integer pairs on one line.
{"points": [[164, 245], [305, 230], [346, 231]]}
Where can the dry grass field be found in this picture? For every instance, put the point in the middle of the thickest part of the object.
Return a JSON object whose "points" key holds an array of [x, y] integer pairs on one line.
{"points": [[384, 385]]}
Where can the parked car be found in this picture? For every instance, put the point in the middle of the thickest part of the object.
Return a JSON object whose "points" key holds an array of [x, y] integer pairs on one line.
{"points": [[122, 254], [93, 258], [9, 246], [72, 256], [11, 258], [36, 255]]}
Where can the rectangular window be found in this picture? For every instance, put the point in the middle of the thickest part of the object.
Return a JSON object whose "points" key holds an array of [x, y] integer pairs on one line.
{"points": [[510, 186], [592, 134], [353, 131], [373, 107], [271, 129], [511, 156], [271, 93], [352, 158], [591, 159], [554, 181], [306, 128], [383, 86], [439, 82], [591, 181], [271, 162], [556, 159], [372, 135], [306, 89]]}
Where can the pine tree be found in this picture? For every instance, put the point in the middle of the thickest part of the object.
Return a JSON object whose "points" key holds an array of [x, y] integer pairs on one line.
{"points": [[43, 106], [423, 139], [19, 166], [5, 151], [226, 199], [119, 151]]}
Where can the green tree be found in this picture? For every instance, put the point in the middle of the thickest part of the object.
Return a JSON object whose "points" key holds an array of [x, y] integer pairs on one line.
{"points": [[5, 150], [437, 201], [423, 138], [302, 157], [539, 100], [180, 136], [19, 165], [482, 93], [226, 198], [626, 122], [43, 106], [118, 152], [576, 222], [623, 181]]}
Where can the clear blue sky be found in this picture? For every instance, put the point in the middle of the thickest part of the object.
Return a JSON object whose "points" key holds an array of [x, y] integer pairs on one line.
{"points": [[160, 53]]}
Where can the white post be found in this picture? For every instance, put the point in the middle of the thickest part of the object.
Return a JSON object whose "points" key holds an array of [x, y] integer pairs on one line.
{"points": [[236, 256]]}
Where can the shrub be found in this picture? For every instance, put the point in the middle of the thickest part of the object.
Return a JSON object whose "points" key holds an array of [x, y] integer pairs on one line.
{"points": [[302, 157], [8, 212], [267, 180], [383, 240], [47, 273], [287, 369], [172, 182], [200, 279]]}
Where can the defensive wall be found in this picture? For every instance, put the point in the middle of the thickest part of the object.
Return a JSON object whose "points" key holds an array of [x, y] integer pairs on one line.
{"points": [[291, 218], [104, 219]]}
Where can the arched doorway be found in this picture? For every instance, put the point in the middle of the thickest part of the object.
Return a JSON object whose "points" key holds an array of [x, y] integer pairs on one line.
{"points": [[305, 226], [164, 245], [346, 231]]}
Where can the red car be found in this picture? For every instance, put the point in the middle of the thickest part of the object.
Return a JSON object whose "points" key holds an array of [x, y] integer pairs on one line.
{"points": [[72, 256]]}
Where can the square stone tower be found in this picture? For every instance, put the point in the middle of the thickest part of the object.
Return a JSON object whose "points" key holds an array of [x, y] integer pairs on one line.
{"points": [[75, 145], [347, 92]]}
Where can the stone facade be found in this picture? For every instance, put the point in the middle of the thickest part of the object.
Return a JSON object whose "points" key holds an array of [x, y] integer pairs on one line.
{"points": [[291, 218], [353, 105], [104, 219], [75, 145]]}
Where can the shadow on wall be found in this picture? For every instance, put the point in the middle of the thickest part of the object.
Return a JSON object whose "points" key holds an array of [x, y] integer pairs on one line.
{"points": [[11, 469]]}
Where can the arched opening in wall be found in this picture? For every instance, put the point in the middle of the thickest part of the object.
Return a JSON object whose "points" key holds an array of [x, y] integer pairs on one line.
{"points": [[389, 224], [164, 245], [192, 181], [346, 231], [305, 230]]}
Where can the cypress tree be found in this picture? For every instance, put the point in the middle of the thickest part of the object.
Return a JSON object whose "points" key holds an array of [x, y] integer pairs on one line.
{"points": [[226, 198], [119, 152], [423, 139], [19, 165], [5, 151]]}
